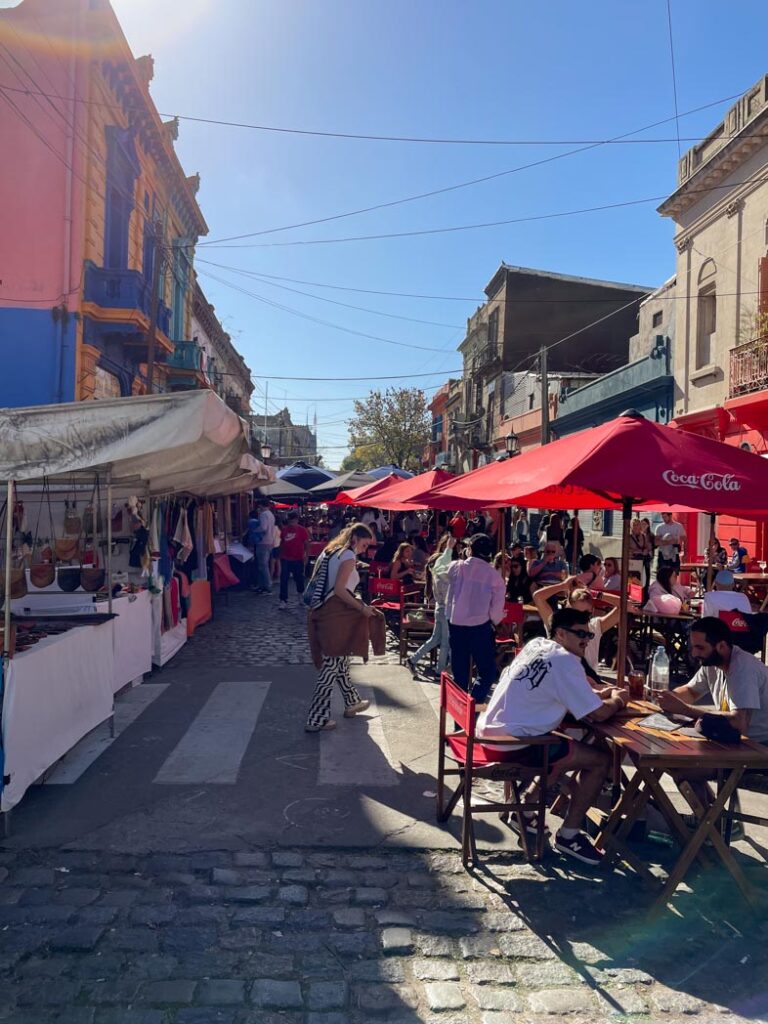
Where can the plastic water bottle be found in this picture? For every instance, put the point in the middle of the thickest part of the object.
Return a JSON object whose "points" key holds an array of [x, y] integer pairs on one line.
{"points": [[659, 678]]}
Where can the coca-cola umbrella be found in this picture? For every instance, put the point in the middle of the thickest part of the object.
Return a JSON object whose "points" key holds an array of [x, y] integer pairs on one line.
{"points": [[626, 462]]}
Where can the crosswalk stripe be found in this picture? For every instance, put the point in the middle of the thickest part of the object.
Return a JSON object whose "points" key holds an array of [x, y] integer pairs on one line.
{"points": [[358, 754], [213, 746], [128, 707]]}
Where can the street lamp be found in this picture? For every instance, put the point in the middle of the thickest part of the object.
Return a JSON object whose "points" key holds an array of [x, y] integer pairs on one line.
{"points": [[512, 444], [266, 450]]}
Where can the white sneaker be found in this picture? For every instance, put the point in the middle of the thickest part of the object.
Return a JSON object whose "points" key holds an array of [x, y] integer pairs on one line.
{"points": [[354, 709], [283, 606]]}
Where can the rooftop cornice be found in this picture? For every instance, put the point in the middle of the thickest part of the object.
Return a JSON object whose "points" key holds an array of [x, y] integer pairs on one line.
{"points": [[742, 132]]}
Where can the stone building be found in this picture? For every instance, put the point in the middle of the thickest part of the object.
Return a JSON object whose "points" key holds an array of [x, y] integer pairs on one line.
{"points": [[720, 213], [590, 321]]}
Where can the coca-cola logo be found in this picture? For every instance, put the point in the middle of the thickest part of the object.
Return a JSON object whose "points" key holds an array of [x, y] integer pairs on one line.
{"points": [[702, 481]]}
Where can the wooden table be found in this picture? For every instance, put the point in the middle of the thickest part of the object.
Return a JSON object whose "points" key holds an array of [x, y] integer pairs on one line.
{"points": [[652, 753]]}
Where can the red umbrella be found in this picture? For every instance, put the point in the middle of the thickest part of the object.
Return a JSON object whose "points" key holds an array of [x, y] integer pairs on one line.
{"points": [[628, 461], [359, 494], [400, 496]]}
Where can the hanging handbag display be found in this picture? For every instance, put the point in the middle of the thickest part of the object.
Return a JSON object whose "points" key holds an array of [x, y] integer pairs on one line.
{"points": [[72, 521], [92, 520], [67, 549], [43, 573], [18, 584], [68, 578], [18, 575], [92, 577]]}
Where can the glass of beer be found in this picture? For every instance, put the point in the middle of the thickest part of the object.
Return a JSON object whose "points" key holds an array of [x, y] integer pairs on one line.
{"points": [[636, 683]]}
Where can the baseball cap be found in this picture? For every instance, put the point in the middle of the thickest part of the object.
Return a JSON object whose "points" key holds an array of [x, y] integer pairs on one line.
{"points": [[725, 578]]}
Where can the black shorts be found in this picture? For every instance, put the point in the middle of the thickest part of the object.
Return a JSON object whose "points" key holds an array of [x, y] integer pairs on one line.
{"points": [[533, 757]]}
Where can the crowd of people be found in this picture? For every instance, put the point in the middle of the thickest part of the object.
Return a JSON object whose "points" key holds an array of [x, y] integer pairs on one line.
{"points": [[469, 584]]}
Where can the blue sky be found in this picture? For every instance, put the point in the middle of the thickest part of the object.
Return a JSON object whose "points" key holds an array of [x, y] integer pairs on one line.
{"points": [[429, 68]]}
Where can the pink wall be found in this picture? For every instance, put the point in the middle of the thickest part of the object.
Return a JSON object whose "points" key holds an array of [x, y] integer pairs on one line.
{"points": [[34, 182]]}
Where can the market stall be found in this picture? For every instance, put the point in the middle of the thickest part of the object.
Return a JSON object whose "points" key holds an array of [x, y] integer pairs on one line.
{"points": [[140, 453]]}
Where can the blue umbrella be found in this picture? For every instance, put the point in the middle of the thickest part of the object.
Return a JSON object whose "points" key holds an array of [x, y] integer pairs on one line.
{"points": [[303, 475], [382, 471]]}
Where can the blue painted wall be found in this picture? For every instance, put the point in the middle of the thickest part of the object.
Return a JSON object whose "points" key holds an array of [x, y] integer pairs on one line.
{"points": [[646, 385], [30, 343]]}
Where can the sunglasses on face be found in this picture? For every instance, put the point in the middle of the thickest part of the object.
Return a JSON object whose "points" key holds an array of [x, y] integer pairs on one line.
{"points": [[582, 634]]}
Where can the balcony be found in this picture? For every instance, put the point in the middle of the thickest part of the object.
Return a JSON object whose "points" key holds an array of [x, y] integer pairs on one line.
{"points": [[486, 358], [186, 367], [749, 368], [123, 290]]}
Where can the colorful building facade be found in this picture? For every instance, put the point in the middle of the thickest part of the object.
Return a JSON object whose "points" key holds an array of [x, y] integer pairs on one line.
{"points": [[100, 220]]}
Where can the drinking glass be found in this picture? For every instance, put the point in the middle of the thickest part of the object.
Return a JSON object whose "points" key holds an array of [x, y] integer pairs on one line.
{"points": [[762, 566]]}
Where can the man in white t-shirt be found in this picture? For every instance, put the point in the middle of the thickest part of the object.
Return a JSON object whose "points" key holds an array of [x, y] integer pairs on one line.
{"points": [[670, 541], [535, 693], [724, 598], [735, 681]]}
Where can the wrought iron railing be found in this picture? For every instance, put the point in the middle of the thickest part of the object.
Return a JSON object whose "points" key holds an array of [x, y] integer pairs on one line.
{"points": [[749, 367]]}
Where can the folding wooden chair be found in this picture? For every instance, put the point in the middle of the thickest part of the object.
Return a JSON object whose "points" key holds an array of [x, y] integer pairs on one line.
{"points": [[481, 759]]}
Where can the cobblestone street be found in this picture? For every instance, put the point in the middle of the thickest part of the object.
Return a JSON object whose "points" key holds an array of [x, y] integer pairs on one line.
{"points": [[108, 915]]}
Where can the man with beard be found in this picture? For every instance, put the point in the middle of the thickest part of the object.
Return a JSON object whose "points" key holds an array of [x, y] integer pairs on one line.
{"points": [[735, 681]]}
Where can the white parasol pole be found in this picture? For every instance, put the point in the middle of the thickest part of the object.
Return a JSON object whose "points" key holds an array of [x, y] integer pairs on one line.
{"points": [[626, 515], [710, 566], [109, 539], [8, 545]]}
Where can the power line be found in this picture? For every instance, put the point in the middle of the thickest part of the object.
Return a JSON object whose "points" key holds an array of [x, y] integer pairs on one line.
{"points": [[464, 184], [422, 140], [513, 300], [317, 320], [401, 376], [321, 298], [496, 223], [674, 75]]}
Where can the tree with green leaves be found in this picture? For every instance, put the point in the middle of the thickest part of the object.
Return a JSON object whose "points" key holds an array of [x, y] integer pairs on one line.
{"points": [[391, 426]]}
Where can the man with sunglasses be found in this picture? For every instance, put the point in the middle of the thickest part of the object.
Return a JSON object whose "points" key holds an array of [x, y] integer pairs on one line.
{"points": [[543, 684]]}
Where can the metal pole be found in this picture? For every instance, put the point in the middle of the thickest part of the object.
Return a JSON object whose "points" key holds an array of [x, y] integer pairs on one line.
{"points": [[575, 540], [545, 437], [154, 308], [710, 566], [626, 515], [8, 545], [109, 539]]}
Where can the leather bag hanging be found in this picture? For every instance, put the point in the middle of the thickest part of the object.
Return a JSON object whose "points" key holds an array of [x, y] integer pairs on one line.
{"points": [[92, 578], [43, 573], [68, 577], [73, 522], [67, 549], [18, 575]]}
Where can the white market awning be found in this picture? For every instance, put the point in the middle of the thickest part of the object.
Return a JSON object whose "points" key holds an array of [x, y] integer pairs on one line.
{"points": [[187, 441]]}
